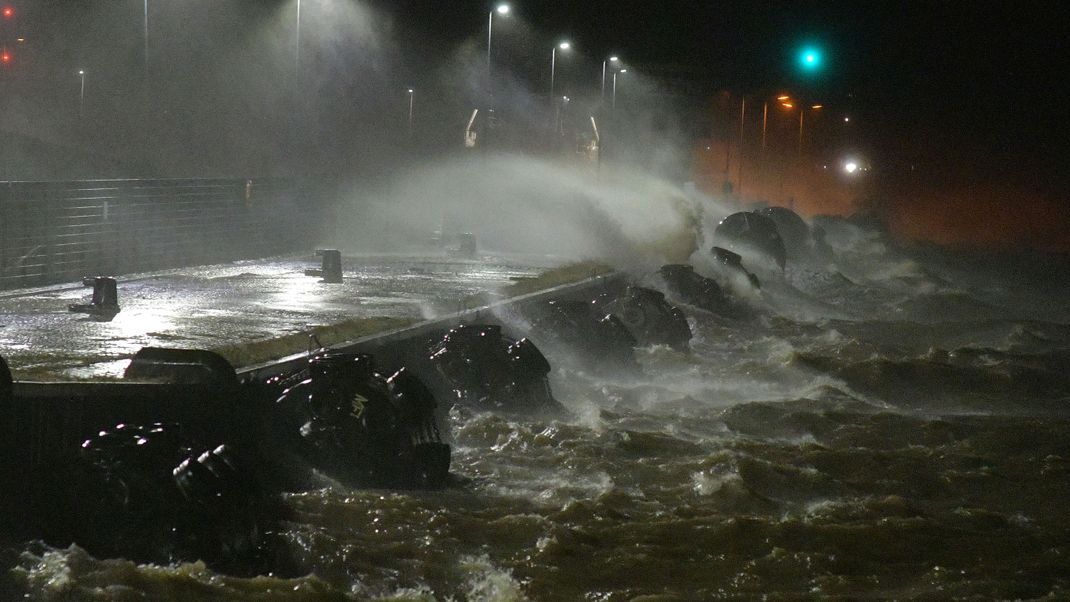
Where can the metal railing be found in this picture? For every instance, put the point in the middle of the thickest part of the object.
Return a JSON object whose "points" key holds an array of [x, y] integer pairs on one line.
{"points": [[62, 231]]}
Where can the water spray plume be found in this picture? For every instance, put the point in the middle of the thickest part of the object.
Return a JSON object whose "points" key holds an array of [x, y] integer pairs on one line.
{"points": [[525, 205]]}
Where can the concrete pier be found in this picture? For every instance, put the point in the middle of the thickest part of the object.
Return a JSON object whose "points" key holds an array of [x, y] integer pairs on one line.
{"points": [[248, 311]]}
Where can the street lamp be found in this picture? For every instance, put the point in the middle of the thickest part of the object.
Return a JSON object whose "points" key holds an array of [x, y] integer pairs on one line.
{"points": [[613, 102], [783, 99], [742, 116], [501, 9], [81, 94], [614, 60], [297, 39], [553, 63], [553, 70], [802, 113], [412, 95], [146, 37]]}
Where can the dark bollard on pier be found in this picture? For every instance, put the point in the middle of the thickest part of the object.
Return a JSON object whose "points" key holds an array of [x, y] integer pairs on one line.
{"points": [[331, 268], [105, 301]]}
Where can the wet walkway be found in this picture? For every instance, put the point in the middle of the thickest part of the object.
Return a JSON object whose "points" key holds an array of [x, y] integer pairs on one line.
{"points": [[240, 303]]}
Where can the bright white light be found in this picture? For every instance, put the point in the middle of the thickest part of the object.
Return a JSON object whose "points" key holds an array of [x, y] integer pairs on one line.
{"points": [[850, 167], [564, 46], [614, 59], [81, 72], [846, 119], [623, 70], [503, 9], [410, 90]]}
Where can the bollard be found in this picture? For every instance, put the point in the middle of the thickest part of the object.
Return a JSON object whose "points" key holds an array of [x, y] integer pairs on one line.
{"points": [[331, 268], [105, 300]]}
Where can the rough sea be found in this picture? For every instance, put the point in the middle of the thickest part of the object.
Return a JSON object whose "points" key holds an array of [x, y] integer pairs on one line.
{"points": [[890, 422]]}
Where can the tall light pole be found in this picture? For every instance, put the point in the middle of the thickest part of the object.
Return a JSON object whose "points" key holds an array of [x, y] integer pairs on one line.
{"points": [[765, 123], [613, 102], [297, 40], [786, 102], [412, 94], [553, 63], [742, 115], [614, 60], [553, 69], [81, 94], [802, 111], [501, 9], [146, 37]]}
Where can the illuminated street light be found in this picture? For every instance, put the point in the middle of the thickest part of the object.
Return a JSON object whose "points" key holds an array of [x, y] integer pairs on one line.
{"points": [[412, 96], [503, 10], [802, 113], [553, 68], [850, 167], [553, 63], [297, 39], [614, 60], [613, 103], [81, 94]]}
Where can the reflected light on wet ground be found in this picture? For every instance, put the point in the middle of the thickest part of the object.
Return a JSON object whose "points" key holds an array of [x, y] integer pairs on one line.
{"points": [[208, 307]]}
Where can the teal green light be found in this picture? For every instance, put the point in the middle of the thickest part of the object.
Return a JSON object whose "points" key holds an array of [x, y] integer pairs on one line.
{"points": [[810, 59]]}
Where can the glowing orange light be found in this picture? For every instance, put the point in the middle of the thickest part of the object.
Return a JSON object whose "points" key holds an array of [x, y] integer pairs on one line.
{"points": [[783, 97], [817, 106], [8, 12], [787, 105], [5, 57]]}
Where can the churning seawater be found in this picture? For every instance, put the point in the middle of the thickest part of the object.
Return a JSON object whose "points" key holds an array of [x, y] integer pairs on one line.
{"points": [[891, 424]]}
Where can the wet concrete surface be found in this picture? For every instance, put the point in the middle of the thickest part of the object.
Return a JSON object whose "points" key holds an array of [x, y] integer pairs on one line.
{"points": [[208, 307]]}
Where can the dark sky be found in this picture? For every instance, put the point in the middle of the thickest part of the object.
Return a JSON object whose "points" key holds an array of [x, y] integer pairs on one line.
{"points": [[984, 78]]}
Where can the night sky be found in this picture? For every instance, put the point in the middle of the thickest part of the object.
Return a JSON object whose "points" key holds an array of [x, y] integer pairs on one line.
{"points": [[980, 82], [986, 79]]}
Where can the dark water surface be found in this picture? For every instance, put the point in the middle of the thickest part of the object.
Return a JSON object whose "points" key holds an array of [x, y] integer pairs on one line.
{"points": [[895, 425]]}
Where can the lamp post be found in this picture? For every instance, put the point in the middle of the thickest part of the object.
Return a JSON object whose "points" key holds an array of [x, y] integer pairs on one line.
{"points": [[553, 63], [613, 101], [146, 37], [614, 60], [81, 94], [553, 71], [412, 95], [802, 111], [297, 40], [765, 124], [742, 115], [501, 9], [785, 101]]}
